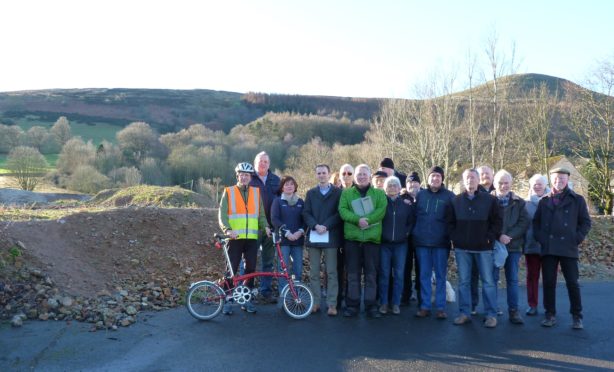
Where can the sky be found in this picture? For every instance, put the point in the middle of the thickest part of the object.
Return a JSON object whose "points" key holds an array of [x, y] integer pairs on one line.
{"points": [[316, 47]]}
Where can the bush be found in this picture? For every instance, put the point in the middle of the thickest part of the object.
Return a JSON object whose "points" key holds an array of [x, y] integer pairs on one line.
{"points": [[27, 165], [87, 179]]}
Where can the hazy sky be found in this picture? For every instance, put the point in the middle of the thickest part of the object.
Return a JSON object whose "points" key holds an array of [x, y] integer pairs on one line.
{"points": [[324, 47]]}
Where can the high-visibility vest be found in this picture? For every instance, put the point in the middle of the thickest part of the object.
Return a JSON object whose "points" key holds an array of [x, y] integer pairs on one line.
{"points": [[244, 218]]}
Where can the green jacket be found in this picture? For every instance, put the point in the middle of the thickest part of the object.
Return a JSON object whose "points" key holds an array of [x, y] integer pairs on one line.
{"points": [[351, 231]]}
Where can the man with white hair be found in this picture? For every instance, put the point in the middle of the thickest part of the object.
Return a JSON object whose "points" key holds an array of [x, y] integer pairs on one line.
{"points": [[268, 183], [362, 208]]}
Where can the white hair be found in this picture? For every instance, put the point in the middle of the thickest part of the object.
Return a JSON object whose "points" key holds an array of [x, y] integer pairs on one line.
{"points": [[500, 174], [536, 177], [391, 180]]}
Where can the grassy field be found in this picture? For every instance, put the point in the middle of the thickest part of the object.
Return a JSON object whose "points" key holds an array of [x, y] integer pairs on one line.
{"points": [[97, 133]]}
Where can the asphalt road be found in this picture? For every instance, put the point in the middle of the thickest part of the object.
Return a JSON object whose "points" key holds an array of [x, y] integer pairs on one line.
{"points": [[272, 341]]}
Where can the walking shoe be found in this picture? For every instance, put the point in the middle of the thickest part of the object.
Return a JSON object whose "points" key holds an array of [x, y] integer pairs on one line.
{"points": [[462, 319], [350, 312], [474, 310], [373, 313], [499, 312], [383, 309], [249, 307], [531, 311], [396, 310], [490, 322], [549, 321], [227, 309], [441, 315], [332, 311], [577, 323], [315, 308], [423, 313], [515, 317]]}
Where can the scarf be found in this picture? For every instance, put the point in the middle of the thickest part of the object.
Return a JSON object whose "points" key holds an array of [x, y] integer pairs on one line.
{"points": [[292, 199]]}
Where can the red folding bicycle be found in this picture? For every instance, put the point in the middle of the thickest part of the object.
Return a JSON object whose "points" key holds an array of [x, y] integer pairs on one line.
{"points": [[205, 299]]}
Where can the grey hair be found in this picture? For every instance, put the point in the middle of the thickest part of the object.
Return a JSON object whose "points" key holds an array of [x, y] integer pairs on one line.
{"points": [[391, 180], [368, 168], [259, 155], [346, 165], [534, 178], [500, 174]]}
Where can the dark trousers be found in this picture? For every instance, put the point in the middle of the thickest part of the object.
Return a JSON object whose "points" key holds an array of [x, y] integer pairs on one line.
{"points": [[361, 258], [475, 283], [569, 267], [534, 266], [341, 276], [411, 263], [246, 249]]}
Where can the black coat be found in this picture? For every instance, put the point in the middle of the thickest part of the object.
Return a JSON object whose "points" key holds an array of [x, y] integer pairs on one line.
{"points": [[475, 224], [398, 221], [323, 210], [561, 228]]}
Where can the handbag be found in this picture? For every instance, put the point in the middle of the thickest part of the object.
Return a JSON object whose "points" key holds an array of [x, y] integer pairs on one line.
{"points": [[499, 254]]}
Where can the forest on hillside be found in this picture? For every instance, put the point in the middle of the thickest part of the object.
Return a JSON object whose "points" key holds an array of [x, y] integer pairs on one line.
{"points": [[515, 122]]}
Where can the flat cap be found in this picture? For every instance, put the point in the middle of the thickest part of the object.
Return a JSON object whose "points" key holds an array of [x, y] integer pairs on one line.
{"points": [[560, 170]]}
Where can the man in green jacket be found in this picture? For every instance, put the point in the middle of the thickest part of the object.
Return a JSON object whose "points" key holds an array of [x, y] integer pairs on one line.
{"points": [[362, 208]]}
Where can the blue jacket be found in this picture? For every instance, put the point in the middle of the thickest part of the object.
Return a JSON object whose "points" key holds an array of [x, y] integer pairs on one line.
{"points": [[431, 228], [290, 215], [398, 221], [268, 191]]}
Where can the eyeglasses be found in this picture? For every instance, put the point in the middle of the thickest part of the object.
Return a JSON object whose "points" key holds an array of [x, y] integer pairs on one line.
{"points": [[347, 173]]}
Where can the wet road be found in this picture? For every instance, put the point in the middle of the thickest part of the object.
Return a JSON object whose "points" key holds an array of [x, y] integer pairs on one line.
{"points": [[270, 340]]}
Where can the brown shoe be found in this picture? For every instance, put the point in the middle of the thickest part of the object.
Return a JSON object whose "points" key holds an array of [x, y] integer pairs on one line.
{"points": [[315, 309], [332, 311], [422, 313], [462, 319], [441, 315]]}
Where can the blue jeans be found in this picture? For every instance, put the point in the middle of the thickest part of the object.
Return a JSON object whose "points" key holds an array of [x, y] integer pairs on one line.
{"points": [[511, 278], [433, 259], [295, 267], [392, 258], [464, 261]]}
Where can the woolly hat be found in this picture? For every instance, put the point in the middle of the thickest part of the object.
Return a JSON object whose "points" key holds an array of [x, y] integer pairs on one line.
{"points": [[437, 169], [414, 177], [387, 162]]}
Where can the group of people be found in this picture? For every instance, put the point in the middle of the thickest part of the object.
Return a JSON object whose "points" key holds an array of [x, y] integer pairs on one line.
{"points": [[371, 228]]}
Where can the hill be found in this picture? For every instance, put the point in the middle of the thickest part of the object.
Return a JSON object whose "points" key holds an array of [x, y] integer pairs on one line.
{"points": [[168, 110]]}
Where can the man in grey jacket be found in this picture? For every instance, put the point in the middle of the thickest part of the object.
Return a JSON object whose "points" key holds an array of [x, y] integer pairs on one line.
{"points": [[324, 236]]}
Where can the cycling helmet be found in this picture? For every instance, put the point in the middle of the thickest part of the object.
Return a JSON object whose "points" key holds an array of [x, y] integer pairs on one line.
{"points": [[244, 168]]}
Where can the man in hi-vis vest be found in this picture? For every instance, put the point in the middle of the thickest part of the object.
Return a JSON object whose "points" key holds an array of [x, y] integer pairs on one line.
{"points": [[241, 217]]}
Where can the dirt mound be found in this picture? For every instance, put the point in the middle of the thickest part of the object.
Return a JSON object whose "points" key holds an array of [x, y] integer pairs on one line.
{"points": [[151, 196], [85, 253]]}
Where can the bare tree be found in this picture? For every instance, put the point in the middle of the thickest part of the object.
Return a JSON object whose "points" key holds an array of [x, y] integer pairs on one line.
{"points": [[61, 131], [592, 120], [538, 111], [27, 166]]}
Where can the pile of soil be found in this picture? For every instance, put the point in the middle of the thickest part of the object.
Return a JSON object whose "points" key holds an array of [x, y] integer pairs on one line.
{"points": [[142, 258]]}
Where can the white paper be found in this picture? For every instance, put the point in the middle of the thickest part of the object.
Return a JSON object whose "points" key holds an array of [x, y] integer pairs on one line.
{"points": [[314, 237]]}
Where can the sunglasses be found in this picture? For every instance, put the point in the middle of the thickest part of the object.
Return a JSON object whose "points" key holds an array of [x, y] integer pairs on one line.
{"points": [[347, 173]]}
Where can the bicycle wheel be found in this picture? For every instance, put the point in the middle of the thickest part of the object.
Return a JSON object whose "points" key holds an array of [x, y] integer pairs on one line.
{"points": [[205, 300], [300, 306]]}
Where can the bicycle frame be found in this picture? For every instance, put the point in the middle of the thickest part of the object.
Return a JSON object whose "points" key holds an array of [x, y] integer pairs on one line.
{"points": [[237, 279]]}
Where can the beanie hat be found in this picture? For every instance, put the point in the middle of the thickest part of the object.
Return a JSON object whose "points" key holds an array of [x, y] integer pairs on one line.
{"points": [[414, 177], [437, 169], [387, 162]]}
